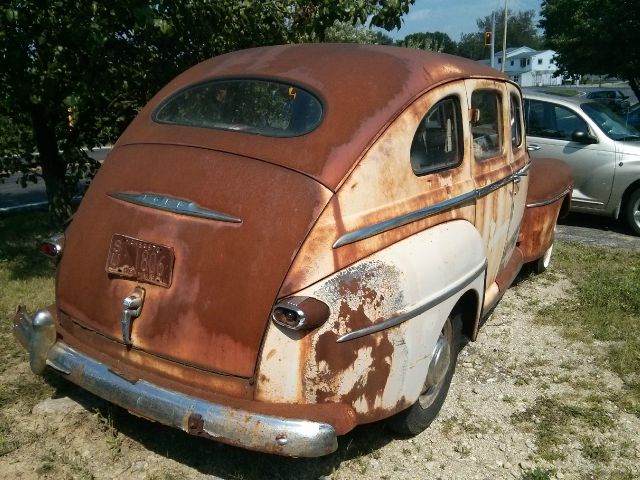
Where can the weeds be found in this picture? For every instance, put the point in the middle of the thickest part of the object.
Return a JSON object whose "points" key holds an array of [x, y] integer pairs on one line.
{"points": [[112, 436]]}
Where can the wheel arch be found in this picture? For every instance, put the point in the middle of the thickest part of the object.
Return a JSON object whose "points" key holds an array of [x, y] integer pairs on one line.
{"points": [[632, 187], [468, 307]]}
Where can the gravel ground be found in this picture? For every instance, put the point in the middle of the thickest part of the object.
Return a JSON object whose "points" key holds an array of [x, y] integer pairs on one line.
{"points": [[525, 404]]}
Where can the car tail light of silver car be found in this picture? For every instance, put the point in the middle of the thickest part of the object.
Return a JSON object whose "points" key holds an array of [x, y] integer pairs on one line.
{"points": [[53, 246], [300, 313]]}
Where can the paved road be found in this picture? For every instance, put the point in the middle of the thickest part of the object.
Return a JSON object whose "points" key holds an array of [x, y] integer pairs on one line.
{"points": [[14, 198], [598, 231]]}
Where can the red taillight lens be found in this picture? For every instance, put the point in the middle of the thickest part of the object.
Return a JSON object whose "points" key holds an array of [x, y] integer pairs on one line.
{"points": [[52, 247], [300, 313]]}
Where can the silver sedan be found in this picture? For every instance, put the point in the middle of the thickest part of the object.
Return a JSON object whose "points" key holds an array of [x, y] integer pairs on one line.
{"points": [[602, 150]]}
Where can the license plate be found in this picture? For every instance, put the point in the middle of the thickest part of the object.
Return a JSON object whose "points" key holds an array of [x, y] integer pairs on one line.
{"points": [[140, 260]]}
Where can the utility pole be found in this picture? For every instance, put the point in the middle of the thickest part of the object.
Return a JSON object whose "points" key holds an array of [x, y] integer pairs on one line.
{"points": [[504, 38], [493, 36]]}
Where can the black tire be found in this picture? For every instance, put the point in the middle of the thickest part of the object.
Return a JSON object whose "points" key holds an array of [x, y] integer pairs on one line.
{"points": [[632, 211], [419, 416]]}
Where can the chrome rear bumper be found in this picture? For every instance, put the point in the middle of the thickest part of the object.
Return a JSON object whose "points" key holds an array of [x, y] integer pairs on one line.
{"points": [[283, 436]]}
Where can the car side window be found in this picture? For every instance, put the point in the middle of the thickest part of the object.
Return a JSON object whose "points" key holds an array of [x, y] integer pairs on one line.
{"points": [[516, 121], [486, 127], [437, 143], [545, 119]]}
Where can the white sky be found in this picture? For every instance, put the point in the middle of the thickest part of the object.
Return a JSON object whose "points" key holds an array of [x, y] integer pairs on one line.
{"points": [[454, 16]]}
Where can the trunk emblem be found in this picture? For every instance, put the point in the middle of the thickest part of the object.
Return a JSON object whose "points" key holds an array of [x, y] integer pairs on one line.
{"points": [[131, 308]]}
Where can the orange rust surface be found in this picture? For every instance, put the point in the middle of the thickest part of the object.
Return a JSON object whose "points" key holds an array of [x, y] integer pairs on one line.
{"points": [[548, 178], [382, 186], [362, 88], [135, 364], [225, 275], [537, 230], [223, 390]]}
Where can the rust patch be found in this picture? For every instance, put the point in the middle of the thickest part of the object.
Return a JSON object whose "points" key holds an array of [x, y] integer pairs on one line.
{"points": [[195, 426]]}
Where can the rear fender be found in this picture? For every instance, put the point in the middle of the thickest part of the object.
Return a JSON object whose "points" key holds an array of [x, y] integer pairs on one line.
{"points": [[419, 279]]}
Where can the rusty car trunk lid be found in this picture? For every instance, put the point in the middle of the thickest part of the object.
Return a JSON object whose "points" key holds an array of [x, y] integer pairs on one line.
{"points": [[212, 310]]}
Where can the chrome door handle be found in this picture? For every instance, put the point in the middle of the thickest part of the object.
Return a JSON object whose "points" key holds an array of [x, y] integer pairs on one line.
{"points": [[533, 147], [131, 308], [517, 179]]}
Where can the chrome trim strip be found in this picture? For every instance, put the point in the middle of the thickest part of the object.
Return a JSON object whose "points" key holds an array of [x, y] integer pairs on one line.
{"points": [[524, 170], [419, 308], [173, 205], [396, 222], [243, 428], [385, 226], [550, 201]]}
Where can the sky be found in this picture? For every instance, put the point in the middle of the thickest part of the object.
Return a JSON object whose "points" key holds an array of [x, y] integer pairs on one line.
{"points": [[454, 16]]}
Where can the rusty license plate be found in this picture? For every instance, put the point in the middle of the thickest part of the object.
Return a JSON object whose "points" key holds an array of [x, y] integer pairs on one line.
{"points": [[140, 260]]}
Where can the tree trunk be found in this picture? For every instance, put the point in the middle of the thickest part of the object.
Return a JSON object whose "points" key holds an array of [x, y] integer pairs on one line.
{"points": [[53, 165]]}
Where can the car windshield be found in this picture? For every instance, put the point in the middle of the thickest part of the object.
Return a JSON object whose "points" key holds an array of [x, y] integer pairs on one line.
{"points": [[261, 107], [610, 123]]}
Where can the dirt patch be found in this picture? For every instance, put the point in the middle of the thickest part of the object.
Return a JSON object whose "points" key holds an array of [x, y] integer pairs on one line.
{"points": [[524, 403]]}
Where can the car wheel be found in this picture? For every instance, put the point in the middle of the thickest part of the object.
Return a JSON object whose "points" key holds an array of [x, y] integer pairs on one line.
{"points": [[419, 416], [632, 211]]}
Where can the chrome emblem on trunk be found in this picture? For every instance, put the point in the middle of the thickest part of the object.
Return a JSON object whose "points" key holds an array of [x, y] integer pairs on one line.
{"points": [[131, 308]]}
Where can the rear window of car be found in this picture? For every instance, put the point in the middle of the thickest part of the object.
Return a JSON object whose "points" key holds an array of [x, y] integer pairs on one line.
{"points": [[262, 107]]}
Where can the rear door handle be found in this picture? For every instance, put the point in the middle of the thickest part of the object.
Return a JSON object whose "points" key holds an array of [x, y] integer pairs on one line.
{"points": [[532, 147]]}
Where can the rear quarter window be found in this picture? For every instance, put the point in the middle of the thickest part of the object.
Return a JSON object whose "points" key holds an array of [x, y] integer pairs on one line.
{"points": [[437, 143], [260, 107]]}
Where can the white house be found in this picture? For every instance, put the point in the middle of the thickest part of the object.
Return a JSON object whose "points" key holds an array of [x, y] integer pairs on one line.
{"points": [[528, 67]]}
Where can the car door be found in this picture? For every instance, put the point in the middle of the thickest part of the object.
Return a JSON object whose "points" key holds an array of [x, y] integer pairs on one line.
{"points": [[491, 169], [519, 160], [549, 133]]}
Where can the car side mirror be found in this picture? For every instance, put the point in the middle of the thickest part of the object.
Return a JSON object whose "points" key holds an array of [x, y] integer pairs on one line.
{"points": [[580, 136]]}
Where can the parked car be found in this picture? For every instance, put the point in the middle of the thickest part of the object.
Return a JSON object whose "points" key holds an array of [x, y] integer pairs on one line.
{"points": [[285, 244], [632, 116], [602, 150], [614, 99]]}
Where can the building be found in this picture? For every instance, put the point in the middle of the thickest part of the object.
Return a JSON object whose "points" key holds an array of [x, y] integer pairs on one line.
{"points": [[528, 67]]}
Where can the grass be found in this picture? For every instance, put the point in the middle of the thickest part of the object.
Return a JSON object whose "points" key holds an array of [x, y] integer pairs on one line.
{"points": [[555, 421], [538, 474], [604, 311], [25, 275]]}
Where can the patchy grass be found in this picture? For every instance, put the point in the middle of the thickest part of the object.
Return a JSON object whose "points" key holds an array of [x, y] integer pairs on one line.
{"points": [[25, 275], [538, 474], [556, 421], [604, 311]]}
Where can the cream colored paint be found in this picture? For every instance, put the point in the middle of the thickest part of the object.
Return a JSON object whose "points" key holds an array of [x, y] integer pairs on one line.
{"points": [[424, 264]]}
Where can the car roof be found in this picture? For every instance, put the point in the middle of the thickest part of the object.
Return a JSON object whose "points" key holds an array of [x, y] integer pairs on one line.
{"points": [[362, 87], [575, 101]]}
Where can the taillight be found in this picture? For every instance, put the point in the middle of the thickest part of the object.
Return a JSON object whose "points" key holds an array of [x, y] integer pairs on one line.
{"points": [[300, 313], [52, 247]]}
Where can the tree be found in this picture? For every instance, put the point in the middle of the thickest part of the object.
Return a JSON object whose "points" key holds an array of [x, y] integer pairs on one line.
{"points": [[521, 28], [75, 72], [521, 31], [434, 41], [599, 37]]}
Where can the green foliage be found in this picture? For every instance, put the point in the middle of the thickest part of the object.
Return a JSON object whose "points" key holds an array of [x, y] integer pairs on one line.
{"points": [[345, 32], [77, 71], [434, 41], [521, 31], [595, 37]]}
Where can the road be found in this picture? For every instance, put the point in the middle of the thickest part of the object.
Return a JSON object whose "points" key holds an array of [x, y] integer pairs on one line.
{"points": [[14, 198], [597, 231]]}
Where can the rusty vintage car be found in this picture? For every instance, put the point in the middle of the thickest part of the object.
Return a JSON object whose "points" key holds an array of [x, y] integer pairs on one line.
{"points": [[290, 241]]}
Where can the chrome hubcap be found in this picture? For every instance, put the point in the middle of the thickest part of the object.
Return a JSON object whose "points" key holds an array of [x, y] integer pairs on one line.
{"points": [[438, 367], [636, 212]]}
